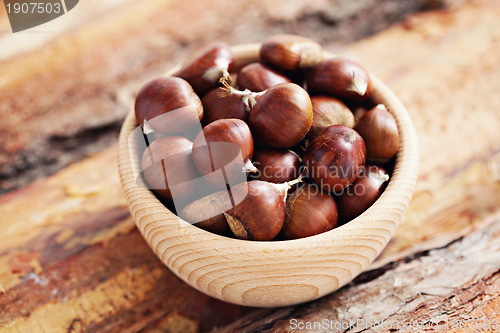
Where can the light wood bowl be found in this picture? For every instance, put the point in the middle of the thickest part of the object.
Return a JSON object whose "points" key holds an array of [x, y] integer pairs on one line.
{"points": [[279, 273]]}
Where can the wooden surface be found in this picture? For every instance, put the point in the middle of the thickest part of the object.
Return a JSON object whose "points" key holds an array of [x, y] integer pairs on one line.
{"points": [[66, 77], [271, 274], [72, 260]]}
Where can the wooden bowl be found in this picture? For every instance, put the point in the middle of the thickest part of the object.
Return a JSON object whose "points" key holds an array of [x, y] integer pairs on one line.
{"points": [[279, 273]]}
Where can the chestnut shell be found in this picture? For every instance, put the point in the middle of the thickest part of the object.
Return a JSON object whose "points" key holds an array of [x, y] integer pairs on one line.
{"points": [[261, 214], [362, 193], [169, 105], [309, 211], [334, 157], [258, 77], [380, 133], [217, 105], [210, 156], [169, 156], [208, 212], [276, 165], [201, 70], [290, 52], [328, 111], [341, 78], [282, 116]]}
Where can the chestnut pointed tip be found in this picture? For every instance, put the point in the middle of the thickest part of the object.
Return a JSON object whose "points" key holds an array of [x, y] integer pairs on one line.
{"points": [[349, 136], [285, 187], [249, 167], [359, 86], [218, 71], [382, 178]]}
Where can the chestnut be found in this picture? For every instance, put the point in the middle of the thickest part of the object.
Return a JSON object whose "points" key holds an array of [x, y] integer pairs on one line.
{"points": [[380, 133], [167, 105], [258, 77], [208, 212], [358, 111], [341, 78], [362, 193], [309, 211], [219, 147], [328, 111], [167, 164], [290, 52], [282, 116], [207, 67], [334, 157], [261, 214], [217, 105], [275, 165]]}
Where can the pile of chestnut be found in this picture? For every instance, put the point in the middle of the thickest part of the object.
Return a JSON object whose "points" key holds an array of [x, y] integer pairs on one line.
{"points": [[288, 147]]}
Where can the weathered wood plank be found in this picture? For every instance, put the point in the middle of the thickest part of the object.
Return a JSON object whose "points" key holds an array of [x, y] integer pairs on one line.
{"points": [[451, 289], [78, 243], [69, 248]]}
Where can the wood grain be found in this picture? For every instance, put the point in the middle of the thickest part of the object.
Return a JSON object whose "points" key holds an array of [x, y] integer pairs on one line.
{"points": [[76, 252], [451, 289], [441, 53]]}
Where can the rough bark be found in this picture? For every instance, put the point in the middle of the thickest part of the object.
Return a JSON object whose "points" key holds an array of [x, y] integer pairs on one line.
{"points": [[450, 289]]}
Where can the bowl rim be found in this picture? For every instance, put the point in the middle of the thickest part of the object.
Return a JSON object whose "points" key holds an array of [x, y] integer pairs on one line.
{"points": [[404, 175]]}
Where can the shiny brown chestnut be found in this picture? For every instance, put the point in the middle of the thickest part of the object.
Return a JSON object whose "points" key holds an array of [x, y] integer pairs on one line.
{"points": [[282, 116], [207, 67], [334, 157], [362, 193], [309, 211], [341, 78], [167, 105], [217, 105], [224, 145], [258, 77], [261, 214], [380, 133], [275, 165], [167, 164], [328, 111], [290, 52]]}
